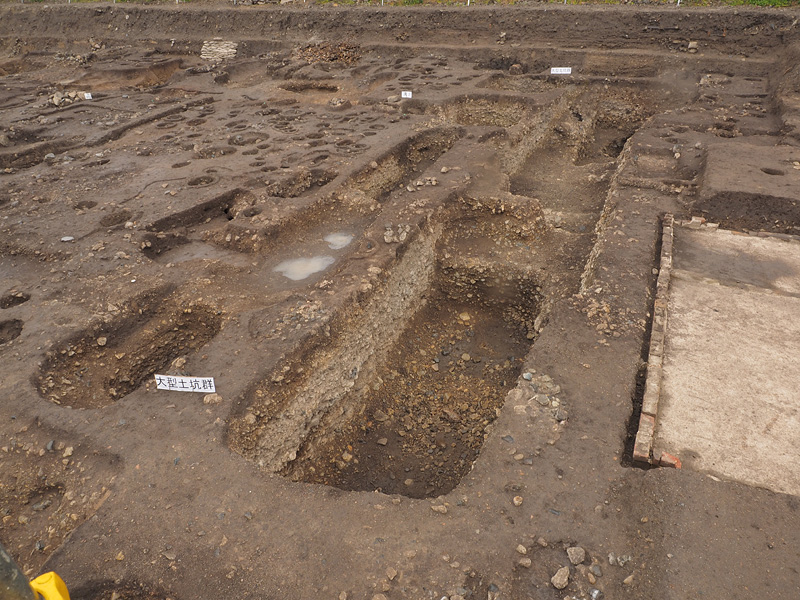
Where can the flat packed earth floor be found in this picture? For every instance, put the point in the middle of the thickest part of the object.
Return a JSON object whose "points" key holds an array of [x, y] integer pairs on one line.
{"points": [[419, 266]]}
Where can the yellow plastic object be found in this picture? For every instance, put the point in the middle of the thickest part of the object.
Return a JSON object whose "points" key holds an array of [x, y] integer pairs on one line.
{"points": [[50, 586]]}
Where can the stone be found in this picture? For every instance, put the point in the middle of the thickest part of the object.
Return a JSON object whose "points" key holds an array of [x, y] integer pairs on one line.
{"points": [[212, 399], [525, 562], [380, 416], [561, 578], [628, 580], [67, 238], [522, 549], [517, 500], [439, 508], [596, 570], [102, 341], [576, 555], [391, 573], [383, 441], [527, 376]]}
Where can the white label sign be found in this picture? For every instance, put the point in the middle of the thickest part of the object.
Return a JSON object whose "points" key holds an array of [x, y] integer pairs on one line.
{"points": [[405, 94], [175, 383], [87, 96], [561, 71]]}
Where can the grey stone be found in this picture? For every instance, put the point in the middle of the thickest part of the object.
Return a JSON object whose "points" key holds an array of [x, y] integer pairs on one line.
{"points": [[576, 555]]}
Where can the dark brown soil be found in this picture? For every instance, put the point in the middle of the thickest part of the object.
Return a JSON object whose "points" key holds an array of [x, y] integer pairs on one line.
{"points": [[424, 316]]}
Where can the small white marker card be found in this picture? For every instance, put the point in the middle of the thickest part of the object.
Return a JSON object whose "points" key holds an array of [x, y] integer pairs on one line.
{"points": [[561, 71], [405, 94], [175, 383]]}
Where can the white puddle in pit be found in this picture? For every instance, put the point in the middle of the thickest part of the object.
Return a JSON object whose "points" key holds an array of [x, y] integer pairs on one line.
{"points": [[337, 241], [298, 269]]}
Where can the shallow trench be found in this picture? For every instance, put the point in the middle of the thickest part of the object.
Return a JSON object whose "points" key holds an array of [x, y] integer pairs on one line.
{"points": [[105, 363]]}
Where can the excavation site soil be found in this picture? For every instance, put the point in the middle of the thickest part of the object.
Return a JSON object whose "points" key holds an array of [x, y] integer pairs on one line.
{"points": [[417, 250]]}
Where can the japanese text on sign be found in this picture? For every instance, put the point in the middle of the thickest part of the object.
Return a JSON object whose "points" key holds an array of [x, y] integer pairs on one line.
{"points": [[561, 71], [175, 383], [406, 94]]}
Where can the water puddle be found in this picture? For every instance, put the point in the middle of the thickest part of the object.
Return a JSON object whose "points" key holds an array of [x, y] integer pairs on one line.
{"points": [[337, 241], [298, 269]]}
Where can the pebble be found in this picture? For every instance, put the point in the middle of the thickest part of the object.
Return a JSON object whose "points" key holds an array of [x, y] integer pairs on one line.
{"points": [[596, 570], [120, 556], [379, 597], [522, 549], [525, 562], [102, 341], [527, 376], [561, 578], [494, 592], [465, 357], [67, 238], [68, 452], [576, 555], [391, 573], [517, 500], [439, 508], [628, 580], [212, 399], [383, 441], [380, 416]]}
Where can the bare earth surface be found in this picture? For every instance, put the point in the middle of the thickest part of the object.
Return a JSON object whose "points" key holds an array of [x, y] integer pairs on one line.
{"points": [[427, 317], [734, 413]]}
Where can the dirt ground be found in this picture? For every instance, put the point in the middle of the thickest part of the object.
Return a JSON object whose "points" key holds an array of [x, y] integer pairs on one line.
{"points": [[419, 267]]}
